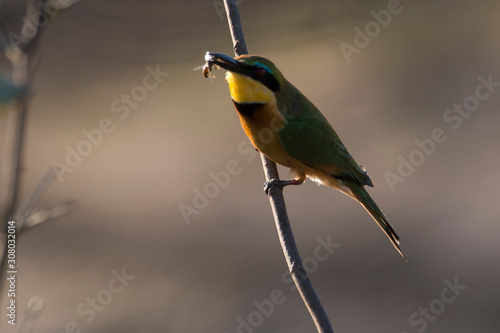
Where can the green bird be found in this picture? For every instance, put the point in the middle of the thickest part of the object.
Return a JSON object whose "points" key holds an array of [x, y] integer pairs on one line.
{"points": [[284, 125]]}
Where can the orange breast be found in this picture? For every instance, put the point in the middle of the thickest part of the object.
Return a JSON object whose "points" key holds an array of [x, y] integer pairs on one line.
{"points": [[261, 125]]}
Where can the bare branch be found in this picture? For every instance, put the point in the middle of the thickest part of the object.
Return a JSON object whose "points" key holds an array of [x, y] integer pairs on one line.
{"points": [[28, 205], [234, 21], [23, 55]]}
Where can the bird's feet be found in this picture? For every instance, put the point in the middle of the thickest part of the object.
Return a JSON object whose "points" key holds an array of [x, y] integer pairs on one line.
{"points": [[274, 183]]}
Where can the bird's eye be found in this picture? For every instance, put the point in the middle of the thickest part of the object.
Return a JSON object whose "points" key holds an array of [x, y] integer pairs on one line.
{"points": [[260, 71]]}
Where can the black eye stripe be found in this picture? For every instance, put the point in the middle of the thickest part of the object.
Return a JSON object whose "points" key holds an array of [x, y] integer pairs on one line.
{"points": [[261, 71], [271, 82], [266, 78]]}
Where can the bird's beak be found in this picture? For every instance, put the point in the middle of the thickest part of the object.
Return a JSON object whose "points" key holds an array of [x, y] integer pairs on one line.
{"points": [[224, 61]]}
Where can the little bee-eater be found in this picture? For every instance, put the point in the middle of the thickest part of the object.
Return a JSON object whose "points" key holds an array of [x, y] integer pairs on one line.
{"points": [[286, 127]]}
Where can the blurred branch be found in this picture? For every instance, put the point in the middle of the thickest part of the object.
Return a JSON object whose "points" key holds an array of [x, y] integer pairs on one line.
{"points": [[27, 207], [22, 52], [11, 168], [277, 202], [28, 217]]}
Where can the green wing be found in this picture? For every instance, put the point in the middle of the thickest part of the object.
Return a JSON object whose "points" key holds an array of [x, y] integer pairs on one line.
{"points": [[309, 138]]}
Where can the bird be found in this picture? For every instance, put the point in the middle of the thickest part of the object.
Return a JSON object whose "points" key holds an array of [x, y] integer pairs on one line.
{"points": [[284, 125]]}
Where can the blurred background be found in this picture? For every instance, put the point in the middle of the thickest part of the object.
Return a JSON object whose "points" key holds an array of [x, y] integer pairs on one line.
{"points": [[155, 244]]}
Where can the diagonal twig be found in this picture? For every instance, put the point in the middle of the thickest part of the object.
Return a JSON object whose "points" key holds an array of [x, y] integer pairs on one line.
{"points": [[278, 206]]}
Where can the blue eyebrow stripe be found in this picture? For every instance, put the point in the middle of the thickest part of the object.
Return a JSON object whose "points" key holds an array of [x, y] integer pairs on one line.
{"points": [[263, 66]]}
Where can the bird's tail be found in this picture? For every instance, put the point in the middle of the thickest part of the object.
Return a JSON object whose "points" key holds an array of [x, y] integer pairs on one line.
{"points": [[361, 195]]}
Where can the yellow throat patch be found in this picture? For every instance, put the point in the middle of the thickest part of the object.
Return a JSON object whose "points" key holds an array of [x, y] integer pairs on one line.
{"points": [[244, 89]]}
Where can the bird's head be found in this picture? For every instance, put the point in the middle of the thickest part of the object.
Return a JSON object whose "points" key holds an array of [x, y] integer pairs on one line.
{"points": [[251, 79]]}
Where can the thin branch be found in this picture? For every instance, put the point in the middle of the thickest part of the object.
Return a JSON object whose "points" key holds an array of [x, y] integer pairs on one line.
{"points": [[235, 28], [23, 55], [11, 169], [27, 207], [278, 206]]}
